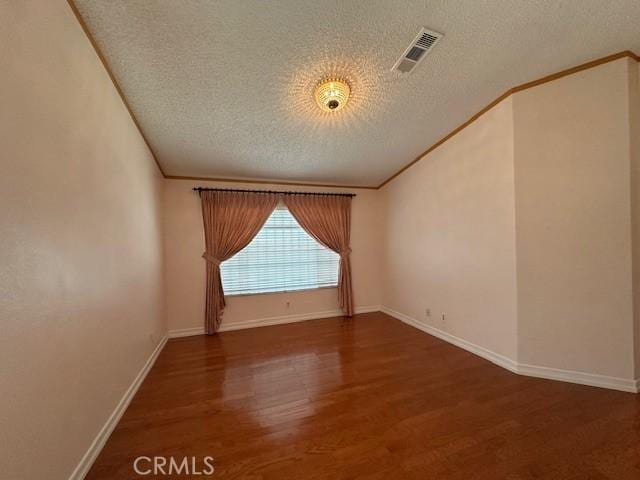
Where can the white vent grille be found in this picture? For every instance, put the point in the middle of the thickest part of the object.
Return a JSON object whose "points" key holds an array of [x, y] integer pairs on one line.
{"points": [[427, 40], [421, 45]]}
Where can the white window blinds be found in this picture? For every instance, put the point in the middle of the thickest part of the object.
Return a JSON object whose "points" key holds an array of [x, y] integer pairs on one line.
{"points": [[282, 257]]}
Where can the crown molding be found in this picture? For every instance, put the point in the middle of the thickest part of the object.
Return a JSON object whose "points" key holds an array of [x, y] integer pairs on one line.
{"points": [[507, 94]]}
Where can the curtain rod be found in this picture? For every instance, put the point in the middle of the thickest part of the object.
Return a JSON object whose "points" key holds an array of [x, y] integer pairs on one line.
{"points": [[281, 192]]}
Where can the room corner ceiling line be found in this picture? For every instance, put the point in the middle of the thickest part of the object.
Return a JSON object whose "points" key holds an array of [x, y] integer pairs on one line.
{"points": [[508, 93], [93, 43]]}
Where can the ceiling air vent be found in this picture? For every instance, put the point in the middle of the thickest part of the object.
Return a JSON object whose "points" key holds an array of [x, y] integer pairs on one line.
{"points": [[421, 45]]}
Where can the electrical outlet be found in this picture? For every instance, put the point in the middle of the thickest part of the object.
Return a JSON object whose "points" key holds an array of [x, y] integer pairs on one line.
{"points": [[427, 312]]}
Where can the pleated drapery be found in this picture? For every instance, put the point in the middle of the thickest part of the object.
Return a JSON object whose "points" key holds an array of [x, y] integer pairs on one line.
{"points": [[231, 220], [327, 218]]}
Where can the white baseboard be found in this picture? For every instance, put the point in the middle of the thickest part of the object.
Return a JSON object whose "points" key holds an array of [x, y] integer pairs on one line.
{"points": [[103, 435], [186, 332], [264, 322], [493, 357], [582, 378]]}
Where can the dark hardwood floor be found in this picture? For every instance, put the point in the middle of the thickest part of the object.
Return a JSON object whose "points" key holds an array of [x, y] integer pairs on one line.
{"points": [[367, 398]]}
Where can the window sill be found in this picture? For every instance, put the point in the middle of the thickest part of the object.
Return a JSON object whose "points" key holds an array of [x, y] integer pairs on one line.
{"points": [[278, 292]]}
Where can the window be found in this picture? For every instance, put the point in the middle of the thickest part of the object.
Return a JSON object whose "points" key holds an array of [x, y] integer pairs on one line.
{"points": [[281, 258]]}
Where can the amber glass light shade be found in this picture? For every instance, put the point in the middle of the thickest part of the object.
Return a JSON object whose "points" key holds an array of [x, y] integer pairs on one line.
{"points": [[332, 95]]}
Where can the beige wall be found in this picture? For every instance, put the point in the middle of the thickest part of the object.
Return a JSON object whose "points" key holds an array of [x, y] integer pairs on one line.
{"points": [[81, 294], [634, 142], [563, 159], [81, 202], [573, 222], [450, 243], [185, 273]]}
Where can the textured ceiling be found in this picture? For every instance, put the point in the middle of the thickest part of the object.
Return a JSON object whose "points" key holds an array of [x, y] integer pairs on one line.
{"points": [[224, 88]]}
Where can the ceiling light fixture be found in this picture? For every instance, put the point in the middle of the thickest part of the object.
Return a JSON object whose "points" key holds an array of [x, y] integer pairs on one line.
{"points": [[332, 94]]}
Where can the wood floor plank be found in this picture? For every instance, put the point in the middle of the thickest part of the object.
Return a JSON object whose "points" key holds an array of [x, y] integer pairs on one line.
{"points": [[366, 398]]}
